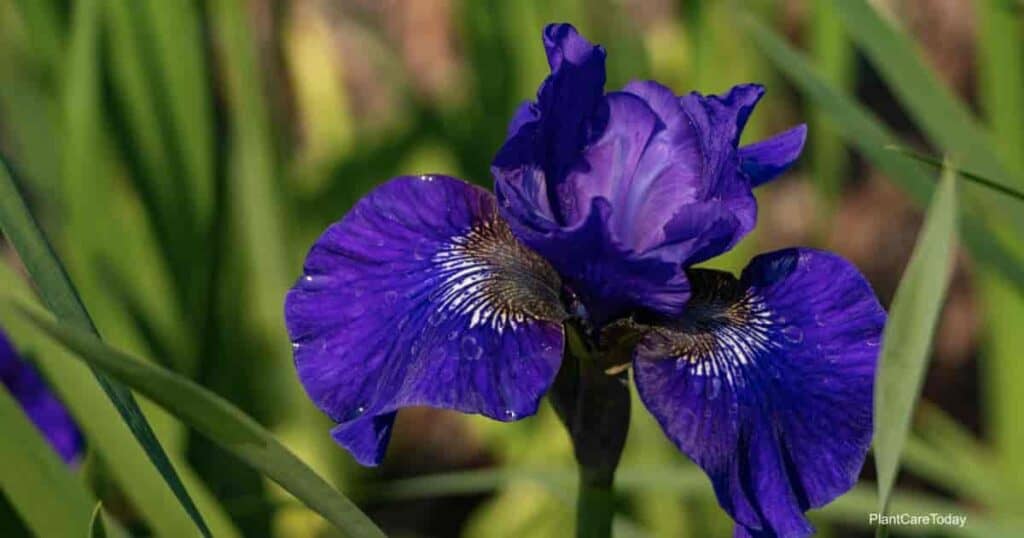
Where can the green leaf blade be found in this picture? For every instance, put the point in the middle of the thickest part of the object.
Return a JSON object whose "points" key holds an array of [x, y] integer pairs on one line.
{"points": [[908, 334], [856, 125], [62, 299], [96, 527], [222, 422], [35, 480]]}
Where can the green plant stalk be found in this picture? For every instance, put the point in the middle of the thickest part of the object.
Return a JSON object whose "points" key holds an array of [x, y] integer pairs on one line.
{"points": [[594, 407], [595, 504]]}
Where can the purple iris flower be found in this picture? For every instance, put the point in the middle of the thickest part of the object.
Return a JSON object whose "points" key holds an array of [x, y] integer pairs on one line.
{"points": [[434, 292], [40, 404]]}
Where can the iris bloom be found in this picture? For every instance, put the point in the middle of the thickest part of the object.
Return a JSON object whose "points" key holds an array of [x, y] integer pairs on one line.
{"points": [[43, 408], [434, 292]]}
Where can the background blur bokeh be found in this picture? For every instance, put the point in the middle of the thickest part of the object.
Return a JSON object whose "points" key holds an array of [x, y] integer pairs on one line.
{"points": [[183, 155]]}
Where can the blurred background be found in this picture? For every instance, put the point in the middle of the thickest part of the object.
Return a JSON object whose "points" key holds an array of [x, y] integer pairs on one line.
{"points": [[183, 155]]}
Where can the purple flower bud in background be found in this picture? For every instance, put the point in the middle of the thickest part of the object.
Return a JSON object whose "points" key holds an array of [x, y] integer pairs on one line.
{"points": [[40, 404]]}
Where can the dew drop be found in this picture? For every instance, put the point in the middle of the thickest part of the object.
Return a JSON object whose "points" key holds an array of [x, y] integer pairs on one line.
{"points": [[470, 349], [874, 341], [391, 297], [296, 346], [313, 283], [819, 319], [793, 333], [453, 335], [510, 414]]}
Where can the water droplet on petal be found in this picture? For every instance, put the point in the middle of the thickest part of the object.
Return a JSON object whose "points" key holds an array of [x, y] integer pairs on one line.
{"points": [[793, 333], [470, 349], [874, 340], [511, 415], [391, 297], [453, 335], [315, 282]]}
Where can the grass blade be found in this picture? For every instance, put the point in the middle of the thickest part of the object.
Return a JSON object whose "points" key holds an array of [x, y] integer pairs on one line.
{"points": [[861, 130], [35, 480], [96, 527], [944, 119], [60, 297], [220, 421], [936, 163], [908, 334]]}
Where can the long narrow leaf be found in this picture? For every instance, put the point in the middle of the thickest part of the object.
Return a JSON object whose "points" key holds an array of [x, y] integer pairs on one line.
{"points": [[60, 297], [944, 119], [863, 131], [96, 527], [35, 480], [908, 334], [936, 163], [222, 422]]}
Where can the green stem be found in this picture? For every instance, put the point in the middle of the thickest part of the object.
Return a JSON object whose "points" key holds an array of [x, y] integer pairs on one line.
{"points": [[594, 406], [595, 504]]}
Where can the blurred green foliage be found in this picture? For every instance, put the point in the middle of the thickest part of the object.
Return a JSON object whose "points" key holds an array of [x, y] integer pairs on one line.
{"points": [[182, 155]]}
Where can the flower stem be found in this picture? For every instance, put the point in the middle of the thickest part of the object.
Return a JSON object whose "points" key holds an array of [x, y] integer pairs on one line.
{"points": [[594, 406], [595, 504]]}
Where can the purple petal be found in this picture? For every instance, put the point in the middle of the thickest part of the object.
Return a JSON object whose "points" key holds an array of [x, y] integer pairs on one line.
{"points": [[667, 167], [41, 406], [766, 383], [422, 296], [605, 276], [767, 159], [525, 113]]}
